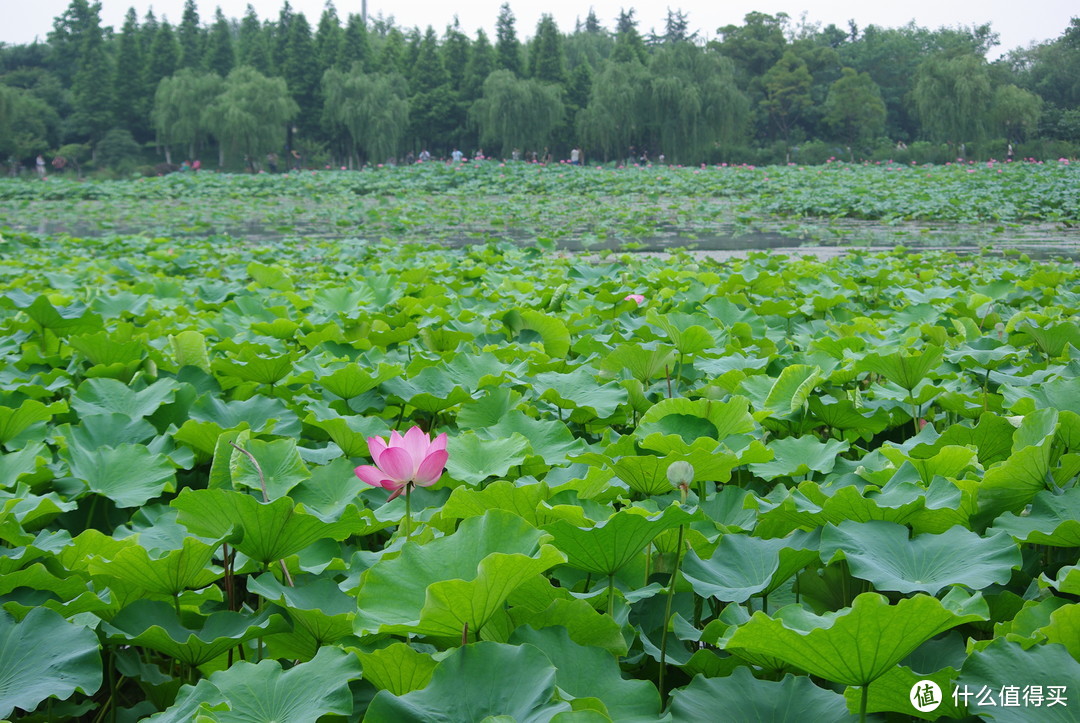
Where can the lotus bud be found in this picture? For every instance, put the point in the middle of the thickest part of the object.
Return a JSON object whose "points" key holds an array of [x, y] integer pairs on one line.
{"points": [[680, 474], [1000, 329]]}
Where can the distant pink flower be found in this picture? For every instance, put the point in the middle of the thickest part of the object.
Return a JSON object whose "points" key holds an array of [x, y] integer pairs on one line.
{"points": [[636, 298], [409, 459]]}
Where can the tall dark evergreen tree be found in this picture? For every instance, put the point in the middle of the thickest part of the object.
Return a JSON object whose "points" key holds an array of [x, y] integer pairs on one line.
{"points": [[190, 35], [455, 54], [481, 64], [251, 43], [628, 43], [507, 46], [67, 38], [279, 45], [392, 57], [129, 91], [547, 62], [164, 54], [220, 56], [301, 73], [92, 87], [431, 106], [328, 38], [355, 46]]}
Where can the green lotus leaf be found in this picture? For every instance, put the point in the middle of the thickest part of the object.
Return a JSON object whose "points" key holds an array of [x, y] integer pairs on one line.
{"points": [[550, 328], [856, 645], [1053, 519], [1006, 663], [904, 369], [474, 459], [397, 669], [195, 639], [453, 581], [584, 672], [250, 366], [607, 546], [431, 390], [843, 414], [892, 693], [691, 419], [884, 554], [548, 438], [187, 568], [521, 686], [280, 464], [746, 698], [742, 566], [582, 622], [580, 389], [45, 656], [189, 349], [28, 464], [1015, 482], [15, 421], [790, 391], [794, 456], [107, 349], [1050, 339], [130, 474], [643, 362], [465, 502], [109, 396], [265, 532], [62, 321], [330, 489], [351, 433], [263, 415], [321, 614]]}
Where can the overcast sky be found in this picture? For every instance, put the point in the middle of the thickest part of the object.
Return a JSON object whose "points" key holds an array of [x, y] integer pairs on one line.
{"points": [[1018, 22]]}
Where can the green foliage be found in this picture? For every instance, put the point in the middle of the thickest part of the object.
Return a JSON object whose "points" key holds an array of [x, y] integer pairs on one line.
{"points": [[250, 114]]}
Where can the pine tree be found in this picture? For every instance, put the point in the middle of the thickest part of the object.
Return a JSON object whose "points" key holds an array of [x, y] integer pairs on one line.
{"points": [[481, 65], [164, 54], [328, 39], [455, 54], [128, 88], [301, 72], [355, 47], [67, 38], [392, 57], [507, 47], [92, 87], [220, 57], [190, 35], [279, 38], [431, 107], [251, 43], [548, 62]]}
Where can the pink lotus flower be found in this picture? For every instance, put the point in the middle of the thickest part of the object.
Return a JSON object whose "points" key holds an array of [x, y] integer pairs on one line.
{"points": [[406, 460], [636, 298]]}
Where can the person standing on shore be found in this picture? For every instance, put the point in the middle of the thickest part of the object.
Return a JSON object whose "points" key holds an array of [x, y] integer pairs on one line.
{"points": [[40, 166]]}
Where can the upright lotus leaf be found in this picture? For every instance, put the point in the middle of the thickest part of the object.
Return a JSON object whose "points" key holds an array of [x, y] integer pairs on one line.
{"points": [[1066, 581], [483, 681], [685, 335], [843, 414], [991, 437], [796, 456], [45, 656], [189, 349], [397, 669], [330, 489], [453, 581], [264, 693], [583, 623], [580, 389], [1013, 483], [690, 420], [320, 612], [188, 568], [74, 318], [894, 693], [474, 459], [432, 390], [550, 439], [1036, 669], [604, 548], [129, 475], [551, 329], [465, 502], [791, 390], [264, 532], [1051, 339], [644, 362], [350, 433], [280, 463], [903, 368], [883, 553], [262, 414], [743, 566], [856, 645], [196, 639], [949, 461], [270, 276], [352, 380], [586, 672], [26, 465], [742, 697], [106, 430], [645, 474], [1064, 629], [251, 366], [108, 349], [109, 396], [1053, 519], [15, 421]]}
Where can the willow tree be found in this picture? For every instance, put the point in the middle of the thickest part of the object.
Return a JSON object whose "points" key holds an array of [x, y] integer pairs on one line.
{"points": [[952, 96], [371, 108], [617, 114], [179, 115], [517, 113], [1015, 112], [694, 102], [250, 114]]}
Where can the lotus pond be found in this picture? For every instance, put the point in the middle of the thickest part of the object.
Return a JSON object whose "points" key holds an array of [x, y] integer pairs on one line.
{"points": [[785, 488]]}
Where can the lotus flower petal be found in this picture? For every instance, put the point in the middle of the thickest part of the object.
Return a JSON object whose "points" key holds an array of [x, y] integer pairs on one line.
{"points": [[431, 468]]}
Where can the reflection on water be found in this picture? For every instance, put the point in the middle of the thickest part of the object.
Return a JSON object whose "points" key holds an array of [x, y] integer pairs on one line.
{"points": [[825, 237]]}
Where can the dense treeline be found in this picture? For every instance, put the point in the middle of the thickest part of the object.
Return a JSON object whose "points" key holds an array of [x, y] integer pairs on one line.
{"points": [[273, 92]]}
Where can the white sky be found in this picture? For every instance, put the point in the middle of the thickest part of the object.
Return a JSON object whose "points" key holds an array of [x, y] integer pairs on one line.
{"points": [[1018, 22]]}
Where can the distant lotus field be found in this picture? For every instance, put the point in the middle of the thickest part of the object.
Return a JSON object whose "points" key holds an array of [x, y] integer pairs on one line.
{"points": [[365, 476]]}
